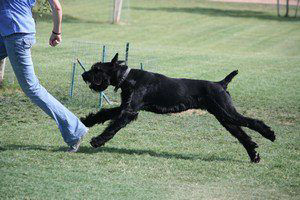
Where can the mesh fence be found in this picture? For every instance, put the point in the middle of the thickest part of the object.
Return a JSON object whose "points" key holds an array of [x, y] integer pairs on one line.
{"points": [[88, 53]]}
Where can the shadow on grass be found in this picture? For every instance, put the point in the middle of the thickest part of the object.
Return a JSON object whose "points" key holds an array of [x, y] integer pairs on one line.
{"points": [[47, 17], [167, 155], [215, 12], [24, 147], [114, 150]]}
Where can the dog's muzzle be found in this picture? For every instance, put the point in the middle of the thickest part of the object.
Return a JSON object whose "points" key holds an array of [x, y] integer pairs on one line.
{"points": [[85, 77], [97, 85]]}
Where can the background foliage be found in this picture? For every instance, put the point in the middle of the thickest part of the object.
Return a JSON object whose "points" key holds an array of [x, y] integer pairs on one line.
{"points": [[41, 7]]}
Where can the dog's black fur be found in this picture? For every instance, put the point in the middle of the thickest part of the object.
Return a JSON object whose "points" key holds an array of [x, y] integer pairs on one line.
{"points": [[142, 90]]}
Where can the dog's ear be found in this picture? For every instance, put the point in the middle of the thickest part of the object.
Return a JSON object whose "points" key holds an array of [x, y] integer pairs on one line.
{"points": [[115, 59]]}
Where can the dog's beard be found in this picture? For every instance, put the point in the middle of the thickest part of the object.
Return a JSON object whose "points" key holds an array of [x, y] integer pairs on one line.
{"points": [[99, 88]]}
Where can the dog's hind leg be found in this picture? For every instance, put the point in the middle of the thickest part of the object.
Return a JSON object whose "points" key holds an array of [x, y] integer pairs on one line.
{"points": [[222, 107], [244, 139], [121, 121], [256, 125], [100, 117]]}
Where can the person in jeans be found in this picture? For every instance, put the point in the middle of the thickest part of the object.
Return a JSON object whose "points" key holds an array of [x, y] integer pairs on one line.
{"points": [[17, 35]]}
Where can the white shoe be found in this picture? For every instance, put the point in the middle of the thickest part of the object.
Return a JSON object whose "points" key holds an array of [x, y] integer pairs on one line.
{"points": [[74, 148]]}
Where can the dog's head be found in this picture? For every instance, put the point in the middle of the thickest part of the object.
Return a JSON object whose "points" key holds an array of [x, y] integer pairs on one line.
{"points": [[101, 75]]}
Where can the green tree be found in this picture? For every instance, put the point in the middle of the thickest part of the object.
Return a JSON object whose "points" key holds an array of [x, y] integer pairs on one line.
{"points": [[41, 7]]}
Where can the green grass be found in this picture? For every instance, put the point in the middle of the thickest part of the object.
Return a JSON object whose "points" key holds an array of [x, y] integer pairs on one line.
{"points": [[188, 156]]}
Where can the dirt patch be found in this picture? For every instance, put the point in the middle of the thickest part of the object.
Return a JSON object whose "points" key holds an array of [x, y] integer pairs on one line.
{"points": [[191, 112], [282, 2], [287, 123]]}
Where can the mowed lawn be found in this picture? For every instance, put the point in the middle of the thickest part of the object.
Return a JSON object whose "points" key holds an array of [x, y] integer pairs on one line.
{"points": [[177, 156]]}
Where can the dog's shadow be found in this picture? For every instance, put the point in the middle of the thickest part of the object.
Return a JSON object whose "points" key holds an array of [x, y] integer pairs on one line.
{"points": [[163, 154], [114, 150]]}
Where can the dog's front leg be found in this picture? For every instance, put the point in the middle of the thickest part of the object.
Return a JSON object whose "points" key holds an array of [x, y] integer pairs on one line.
{"points": [[121, 121], [100, 117]]}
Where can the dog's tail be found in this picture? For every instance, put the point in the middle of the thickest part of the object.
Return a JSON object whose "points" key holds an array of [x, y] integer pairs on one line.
{"points": [[228, 78]]}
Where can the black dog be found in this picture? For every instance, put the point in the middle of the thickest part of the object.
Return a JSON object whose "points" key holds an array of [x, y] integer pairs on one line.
{"points": [[142, 90]]}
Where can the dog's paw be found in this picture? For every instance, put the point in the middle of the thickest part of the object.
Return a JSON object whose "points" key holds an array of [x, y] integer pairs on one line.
{"points": [[95, 142], [271, 135], [82, 119], [86, 122], [256, 159]]}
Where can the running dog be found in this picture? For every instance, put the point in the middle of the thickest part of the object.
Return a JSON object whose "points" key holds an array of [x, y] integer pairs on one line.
{"points": [[153, 92]]}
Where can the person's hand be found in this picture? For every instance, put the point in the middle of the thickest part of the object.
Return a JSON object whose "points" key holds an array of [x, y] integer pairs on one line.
{"points": [[55, 39]]}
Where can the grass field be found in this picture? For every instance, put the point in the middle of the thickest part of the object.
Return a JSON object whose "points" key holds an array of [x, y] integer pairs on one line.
{"points": [[182, 156]]}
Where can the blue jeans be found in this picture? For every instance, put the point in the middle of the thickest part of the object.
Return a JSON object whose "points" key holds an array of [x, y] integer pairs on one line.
{"points": [[17, 48]]}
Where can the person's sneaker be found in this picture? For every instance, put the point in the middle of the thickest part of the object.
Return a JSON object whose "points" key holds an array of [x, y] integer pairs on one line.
{"points": [[74, 148]]}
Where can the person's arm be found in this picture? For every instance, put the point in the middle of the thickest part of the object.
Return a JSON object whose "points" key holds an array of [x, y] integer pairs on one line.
{"points": [[55, 37]]}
